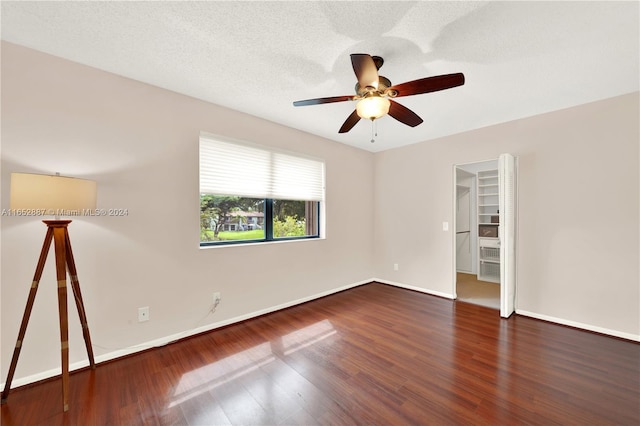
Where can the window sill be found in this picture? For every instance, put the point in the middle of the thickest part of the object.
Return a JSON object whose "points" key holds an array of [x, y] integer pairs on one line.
{"points": [[258, 243]]}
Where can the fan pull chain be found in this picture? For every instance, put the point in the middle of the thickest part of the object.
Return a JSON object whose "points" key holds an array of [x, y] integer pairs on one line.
{"points": [[374, 132]]}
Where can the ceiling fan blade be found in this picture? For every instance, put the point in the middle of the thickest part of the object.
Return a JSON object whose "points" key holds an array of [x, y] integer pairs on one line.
{"points": [[365, 69], [351, 121], [404, 114], [428, 84], [319, 101]]}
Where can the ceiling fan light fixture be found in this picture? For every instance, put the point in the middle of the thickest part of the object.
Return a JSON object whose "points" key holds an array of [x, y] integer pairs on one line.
{"points": [[373, 107]]}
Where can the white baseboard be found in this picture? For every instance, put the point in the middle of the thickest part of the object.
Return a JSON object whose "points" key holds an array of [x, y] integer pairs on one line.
{"points": [[562, 321], [420, 289], [589, 327], [21, 381]]}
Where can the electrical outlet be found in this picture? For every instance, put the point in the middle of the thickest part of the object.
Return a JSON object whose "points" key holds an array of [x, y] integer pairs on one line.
{"points": [[395, 267], [216, 298], [143, 314]]}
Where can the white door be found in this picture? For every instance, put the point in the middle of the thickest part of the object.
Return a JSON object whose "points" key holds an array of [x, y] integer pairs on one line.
{"points": [[507, 205]]}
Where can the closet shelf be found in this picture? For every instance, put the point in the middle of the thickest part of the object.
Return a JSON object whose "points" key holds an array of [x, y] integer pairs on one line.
{"points": [[488, 193]]}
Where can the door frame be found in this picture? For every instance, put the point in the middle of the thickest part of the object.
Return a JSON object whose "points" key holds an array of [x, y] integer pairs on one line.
{"points": [[454, 224]]}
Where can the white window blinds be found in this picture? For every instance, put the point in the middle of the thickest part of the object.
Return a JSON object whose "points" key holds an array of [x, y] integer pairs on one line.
{"points": [[235, 168]]}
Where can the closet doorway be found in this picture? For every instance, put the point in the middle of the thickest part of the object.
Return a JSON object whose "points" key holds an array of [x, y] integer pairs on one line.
{"points": [[484, 255]]}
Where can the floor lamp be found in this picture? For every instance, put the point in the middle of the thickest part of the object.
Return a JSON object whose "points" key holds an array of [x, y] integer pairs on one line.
{"points": [[41, 195]]}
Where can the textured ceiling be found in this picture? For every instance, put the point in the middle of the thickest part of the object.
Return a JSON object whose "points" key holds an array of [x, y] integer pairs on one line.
{"points": [[519, 58]]}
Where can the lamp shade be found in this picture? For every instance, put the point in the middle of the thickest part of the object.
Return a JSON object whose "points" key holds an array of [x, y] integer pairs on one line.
{"points": [[54, 195], [373, 107]]}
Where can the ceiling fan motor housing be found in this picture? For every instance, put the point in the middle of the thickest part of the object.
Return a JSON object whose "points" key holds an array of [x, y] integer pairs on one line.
{"points": [[378, 61], [383, 84]]}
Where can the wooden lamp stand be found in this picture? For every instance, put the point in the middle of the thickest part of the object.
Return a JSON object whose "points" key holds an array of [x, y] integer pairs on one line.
{"points": [[56, 231]]}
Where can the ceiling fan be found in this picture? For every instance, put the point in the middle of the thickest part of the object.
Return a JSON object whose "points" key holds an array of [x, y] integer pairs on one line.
{"points": [[375, 93]]}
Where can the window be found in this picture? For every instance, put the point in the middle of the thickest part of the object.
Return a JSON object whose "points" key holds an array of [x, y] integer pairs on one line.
{"points": [[250, 193]]}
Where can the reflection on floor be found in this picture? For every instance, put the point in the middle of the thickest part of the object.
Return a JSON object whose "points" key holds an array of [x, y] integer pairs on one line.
{"points": [[370, 355], [469, 289]]}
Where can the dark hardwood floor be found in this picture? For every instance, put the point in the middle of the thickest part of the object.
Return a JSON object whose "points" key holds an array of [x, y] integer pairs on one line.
{"points": [[374, 354]]}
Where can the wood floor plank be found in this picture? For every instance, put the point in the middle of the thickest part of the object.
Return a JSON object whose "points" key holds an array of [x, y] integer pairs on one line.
{"points": [[374, 354]]}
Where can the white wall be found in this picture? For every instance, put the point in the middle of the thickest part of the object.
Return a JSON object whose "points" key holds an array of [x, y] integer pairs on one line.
{"points": [[578, 214], [140, 143]]}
